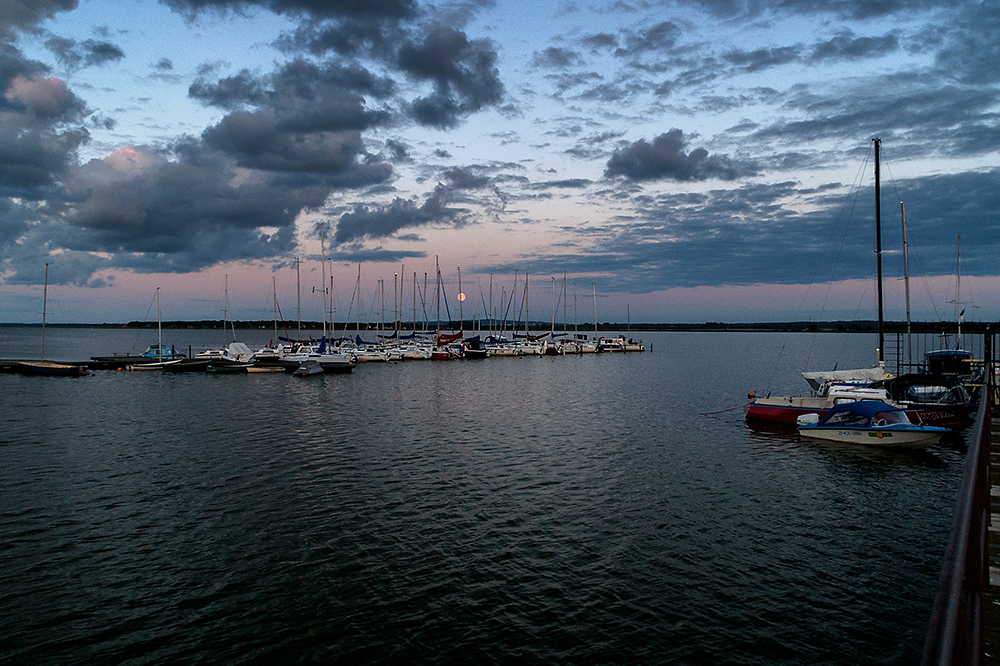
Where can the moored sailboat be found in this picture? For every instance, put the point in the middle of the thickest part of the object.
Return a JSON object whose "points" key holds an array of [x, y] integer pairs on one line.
{"points": [[850, 382], [41, 366]]}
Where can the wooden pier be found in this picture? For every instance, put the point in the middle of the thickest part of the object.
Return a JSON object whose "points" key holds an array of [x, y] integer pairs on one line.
{"points": [[991, 594]]}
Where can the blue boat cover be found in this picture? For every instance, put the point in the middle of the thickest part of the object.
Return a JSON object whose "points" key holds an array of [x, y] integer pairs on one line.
{"points": [[867, 408]]}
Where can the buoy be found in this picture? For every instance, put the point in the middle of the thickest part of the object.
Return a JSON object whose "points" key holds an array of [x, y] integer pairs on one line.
{"points": [[750, 395]]}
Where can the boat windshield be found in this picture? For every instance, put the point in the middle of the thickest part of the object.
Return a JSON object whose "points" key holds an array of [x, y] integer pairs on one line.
{"points": [[847, 418], [890, 418]]}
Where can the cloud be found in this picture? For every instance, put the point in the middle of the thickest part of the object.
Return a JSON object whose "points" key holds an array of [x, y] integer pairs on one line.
{"points": [[316, 9], [40, 132], [463, 71], [556, 57], [28, 14], [382, 221], [665, 158], [847, 47], [73, 54], [759, 59]]}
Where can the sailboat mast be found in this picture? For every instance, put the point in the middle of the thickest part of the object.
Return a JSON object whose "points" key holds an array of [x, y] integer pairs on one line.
{"points": [[553, 331], [461, 299], [565, 297], [159, 328], [595, 310], [878, 251], [526, 307], [958, 294], [298, 292], [274, 291], [906, 279], [322, 258], [45, 300]]}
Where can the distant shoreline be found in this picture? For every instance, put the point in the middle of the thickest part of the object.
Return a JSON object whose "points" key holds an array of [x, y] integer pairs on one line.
{"points": [[860, 326]]}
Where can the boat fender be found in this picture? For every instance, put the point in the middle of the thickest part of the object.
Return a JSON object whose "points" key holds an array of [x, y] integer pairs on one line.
{"points": [[751, 395]]}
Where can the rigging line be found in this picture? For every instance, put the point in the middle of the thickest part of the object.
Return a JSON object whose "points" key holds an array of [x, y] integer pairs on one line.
{"points": [[849, 206]]}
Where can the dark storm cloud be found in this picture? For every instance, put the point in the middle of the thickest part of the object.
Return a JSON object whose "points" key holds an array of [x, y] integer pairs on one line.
{"points": [[383, 221], [463, 72], [665, 158]]}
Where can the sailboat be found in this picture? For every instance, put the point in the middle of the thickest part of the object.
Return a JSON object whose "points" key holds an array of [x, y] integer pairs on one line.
{"points": [[41, 366], [838, 385], [155, 355]]}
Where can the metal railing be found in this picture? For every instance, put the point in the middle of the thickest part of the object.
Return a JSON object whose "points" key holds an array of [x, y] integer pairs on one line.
{"points": [[955, 633]]}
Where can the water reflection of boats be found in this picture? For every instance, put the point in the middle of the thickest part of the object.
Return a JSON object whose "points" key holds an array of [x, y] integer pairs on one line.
{"points": [[870, 423]]}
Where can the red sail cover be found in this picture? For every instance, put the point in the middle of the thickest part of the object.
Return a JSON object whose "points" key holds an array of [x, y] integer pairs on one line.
{"points": [[444, 338]]}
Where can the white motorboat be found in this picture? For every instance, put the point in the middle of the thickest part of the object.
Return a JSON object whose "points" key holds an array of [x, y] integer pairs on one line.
{"points": [[872, 423]]}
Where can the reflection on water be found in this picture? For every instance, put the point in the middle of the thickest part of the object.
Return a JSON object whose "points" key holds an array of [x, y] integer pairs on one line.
{"points": [[573, 510]]}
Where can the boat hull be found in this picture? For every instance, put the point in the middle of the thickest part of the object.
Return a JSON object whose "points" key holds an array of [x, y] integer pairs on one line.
{"points": [[50, 369], [890, 436], [788, 410]]}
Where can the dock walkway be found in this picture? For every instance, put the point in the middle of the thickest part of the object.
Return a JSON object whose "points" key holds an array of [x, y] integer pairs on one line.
{"points": [[991, 596]]}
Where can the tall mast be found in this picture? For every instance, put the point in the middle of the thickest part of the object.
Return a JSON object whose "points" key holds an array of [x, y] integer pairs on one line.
{"points": [[159, 329], [461, 299], [517, 313], [565, 297], [552, 333], [526, 307], [906, 278], [595, 310], [437, 284], [878, 250], [45, 300], [322, 258], [274, 291], [298, 292], [958, 294]]}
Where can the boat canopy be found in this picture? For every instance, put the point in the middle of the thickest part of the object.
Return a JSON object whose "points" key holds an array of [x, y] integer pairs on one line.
{"points": [[862, 412]]}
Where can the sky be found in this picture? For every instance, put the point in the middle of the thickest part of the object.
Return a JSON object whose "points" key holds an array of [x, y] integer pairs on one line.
{"points": [[702, 160]]}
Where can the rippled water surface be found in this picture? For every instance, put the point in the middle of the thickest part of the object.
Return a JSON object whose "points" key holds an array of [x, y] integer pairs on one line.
{"points": [[541, 510]]}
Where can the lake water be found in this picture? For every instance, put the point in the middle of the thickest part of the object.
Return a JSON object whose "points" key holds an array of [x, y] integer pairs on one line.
{"points": [[603, 509]]}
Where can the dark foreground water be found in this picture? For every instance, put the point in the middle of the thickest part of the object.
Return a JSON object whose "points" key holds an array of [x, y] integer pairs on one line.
{"points": [[576, 510]]}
